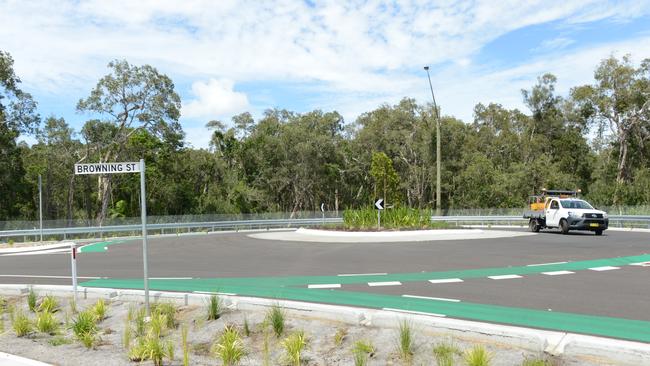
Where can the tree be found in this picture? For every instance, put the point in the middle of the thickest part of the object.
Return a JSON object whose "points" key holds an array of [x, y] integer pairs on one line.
{"points": [[385, 176], [130, 99], [620, 101], [17, 115]]}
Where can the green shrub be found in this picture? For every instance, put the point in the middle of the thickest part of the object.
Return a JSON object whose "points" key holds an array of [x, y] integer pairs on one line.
{"points": [[99, 310], [393, 218], [157, 325], [46, 323], [405, 345], [478, 356], [85, 328], [167, 309], [229, 347], [361, 351], [445, 353], [153, 349], [339, 336], [275, 317], [20, 323], [293, 346], [214, 308], [31, 300], [49, 304], [139, 318]]}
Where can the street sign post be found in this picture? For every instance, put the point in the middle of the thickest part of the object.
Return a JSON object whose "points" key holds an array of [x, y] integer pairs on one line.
{"points": [[127, 167], [379, 204]]}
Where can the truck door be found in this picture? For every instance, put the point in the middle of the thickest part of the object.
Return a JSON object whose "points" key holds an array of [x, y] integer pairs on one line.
{"points": [[552, 213]]}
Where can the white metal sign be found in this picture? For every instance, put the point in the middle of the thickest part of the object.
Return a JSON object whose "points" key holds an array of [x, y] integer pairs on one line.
{"points": [[107, 168]]}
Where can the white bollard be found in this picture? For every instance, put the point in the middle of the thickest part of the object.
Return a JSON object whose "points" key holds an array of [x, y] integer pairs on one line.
{"points": [[73, 263]]}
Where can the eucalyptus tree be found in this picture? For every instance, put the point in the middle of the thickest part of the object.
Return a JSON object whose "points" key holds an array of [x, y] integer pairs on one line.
{"points": [[129, 99], [619, 100]]}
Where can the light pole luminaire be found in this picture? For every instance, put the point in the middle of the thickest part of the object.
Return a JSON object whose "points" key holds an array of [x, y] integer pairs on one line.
{"points": [[435, 107]]}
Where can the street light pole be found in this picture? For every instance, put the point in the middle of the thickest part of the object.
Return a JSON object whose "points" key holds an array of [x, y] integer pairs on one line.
{"points": [[435, 107]]}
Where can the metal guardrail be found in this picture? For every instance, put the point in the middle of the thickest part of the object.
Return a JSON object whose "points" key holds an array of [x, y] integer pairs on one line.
{"points": [[178, 227]]}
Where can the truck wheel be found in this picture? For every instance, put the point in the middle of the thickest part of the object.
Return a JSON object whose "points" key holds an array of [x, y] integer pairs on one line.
{"points": [[533, 225], [564, 226], [599, 232]]}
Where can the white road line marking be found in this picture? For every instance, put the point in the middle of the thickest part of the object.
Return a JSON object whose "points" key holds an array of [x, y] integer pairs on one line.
{"points": [[641, 264], [431, 298], [387, 283], [40, 252], [325, 285], [605, 268], [557, 273], [446, 280], [170, 278], [545, 264], [414, 312], [214, 293], [361, 274], [504, 277], [34, 276]]}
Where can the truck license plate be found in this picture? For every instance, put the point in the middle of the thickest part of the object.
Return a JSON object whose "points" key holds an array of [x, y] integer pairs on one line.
{"points": [[593, 225]]}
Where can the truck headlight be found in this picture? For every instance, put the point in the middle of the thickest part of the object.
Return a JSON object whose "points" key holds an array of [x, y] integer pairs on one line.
{"points": [[605, 215], [575, 214]]}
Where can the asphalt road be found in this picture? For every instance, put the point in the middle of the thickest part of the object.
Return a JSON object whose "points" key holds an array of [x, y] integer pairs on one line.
{"points": [[620, 293]]}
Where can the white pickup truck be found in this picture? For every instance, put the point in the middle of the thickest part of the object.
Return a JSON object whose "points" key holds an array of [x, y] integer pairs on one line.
{"points": [[567, 213]]}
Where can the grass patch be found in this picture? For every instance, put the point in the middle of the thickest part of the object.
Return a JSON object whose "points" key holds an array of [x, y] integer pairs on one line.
{"points": [[340, 336], [127, 335], [214, 307], [229, 347], [184, 346], [361, 352], [445, 354], [32, 297], [99, 310], [85, 328], [293, 346], [247, 328], [276, 318], [405, 344], [153, 349], [167, 309], [536, 362], [49, 304], [20, 323], [47, 323], [478, 356], [59, 340]]}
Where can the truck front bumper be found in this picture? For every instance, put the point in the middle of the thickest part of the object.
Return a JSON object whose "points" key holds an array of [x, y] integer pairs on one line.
{"points": [[591, 224]]}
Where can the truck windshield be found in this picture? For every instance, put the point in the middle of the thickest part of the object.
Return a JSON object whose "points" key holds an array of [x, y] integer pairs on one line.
{"points": [[575, 204]]}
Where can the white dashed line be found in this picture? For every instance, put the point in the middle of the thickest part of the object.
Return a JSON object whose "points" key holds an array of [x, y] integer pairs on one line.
{"points": [[430, 298], [606, 268], [447, 280], [387, 283], [557, 273], [170, 278], [641, 264], [504, 277], [325, 285], [362, 274], [545, 264], [414, 312]]}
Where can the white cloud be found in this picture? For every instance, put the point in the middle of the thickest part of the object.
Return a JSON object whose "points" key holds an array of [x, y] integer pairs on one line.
{"points": [[353, 53], [214, 98]]}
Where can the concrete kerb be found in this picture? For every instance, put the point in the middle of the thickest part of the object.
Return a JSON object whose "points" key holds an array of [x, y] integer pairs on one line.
{"points": [[533, 340], [12, 360]]}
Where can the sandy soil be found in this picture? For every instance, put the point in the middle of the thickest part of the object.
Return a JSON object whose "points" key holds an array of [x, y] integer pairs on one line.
{"points": [[321, 348]]}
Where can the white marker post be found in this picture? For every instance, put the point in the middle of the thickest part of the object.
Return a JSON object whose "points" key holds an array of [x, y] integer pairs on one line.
{"points": [[73, 263], [379, 204], [322, 210], [127, 167]]}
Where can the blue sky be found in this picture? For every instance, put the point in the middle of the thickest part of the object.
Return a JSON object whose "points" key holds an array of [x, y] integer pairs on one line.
{"points": [[227, 57]]}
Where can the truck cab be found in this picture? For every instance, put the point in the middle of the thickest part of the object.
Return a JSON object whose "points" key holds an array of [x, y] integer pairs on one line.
{"points": [[564, 210]]}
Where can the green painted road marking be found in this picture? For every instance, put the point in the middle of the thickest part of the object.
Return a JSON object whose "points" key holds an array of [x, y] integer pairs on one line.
{"points": [[635, 330], [99, 246]]}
